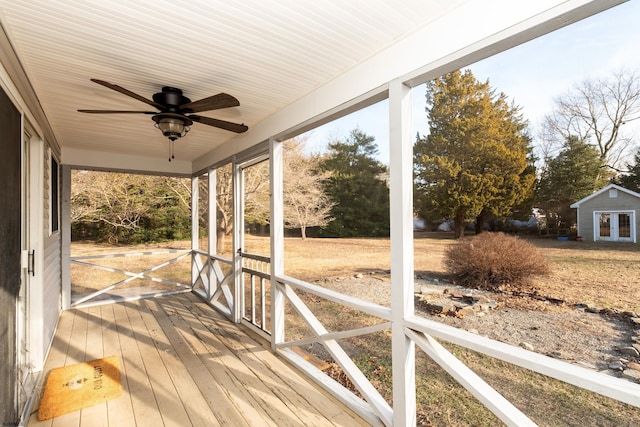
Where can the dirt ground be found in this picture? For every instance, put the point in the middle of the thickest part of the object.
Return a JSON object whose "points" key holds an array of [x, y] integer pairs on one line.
{"points": [[557, 319], [603, 274]]}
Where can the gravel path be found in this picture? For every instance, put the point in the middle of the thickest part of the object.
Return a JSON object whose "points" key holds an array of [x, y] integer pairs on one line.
{"points": [[568, 333]]}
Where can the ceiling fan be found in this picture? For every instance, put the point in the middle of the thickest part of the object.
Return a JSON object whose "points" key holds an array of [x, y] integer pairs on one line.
{"points": [[175, 112]]}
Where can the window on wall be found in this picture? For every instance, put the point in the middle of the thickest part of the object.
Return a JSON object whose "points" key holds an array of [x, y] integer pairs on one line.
{"points": [[55, 204], [605, 225], [624, 225]]}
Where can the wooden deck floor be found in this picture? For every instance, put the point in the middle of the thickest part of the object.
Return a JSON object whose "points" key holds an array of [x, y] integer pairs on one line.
{"points": [[183, 364]]}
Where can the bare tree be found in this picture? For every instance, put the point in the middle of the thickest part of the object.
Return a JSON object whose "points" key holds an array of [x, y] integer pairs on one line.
{"points": [[224, 204], [305, 203], [256, 198], [595, 111], [120, 201], [112, 199], [117, 203], [256, 193]]}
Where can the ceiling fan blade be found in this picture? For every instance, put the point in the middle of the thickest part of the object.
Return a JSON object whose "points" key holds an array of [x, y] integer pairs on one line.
{"points": [[116, 112], [128, 93], [215, 102], [233, 127]]}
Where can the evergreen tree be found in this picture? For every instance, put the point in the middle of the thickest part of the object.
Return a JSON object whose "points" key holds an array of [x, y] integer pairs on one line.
{"points": [[572, 175], [357, 186], [631, 180], [476, 161]]}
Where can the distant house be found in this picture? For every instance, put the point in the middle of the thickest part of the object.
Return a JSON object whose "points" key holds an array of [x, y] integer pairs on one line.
{"points": [[609, 214]]}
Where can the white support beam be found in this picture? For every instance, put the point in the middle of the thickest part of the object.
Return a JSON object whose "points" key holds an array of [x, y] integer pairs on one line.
{"points": [[195, 225], [88, 159], [212, 213], [212, 229], [238, 240], [489, 397], [378, 404], [277, 241], [65, 229], [402, 287], [195, 228]]}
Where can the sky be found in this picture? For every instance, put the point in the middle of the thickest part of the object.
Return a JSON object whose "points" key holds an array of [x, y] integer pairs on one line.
{"points": [[531, 75]]}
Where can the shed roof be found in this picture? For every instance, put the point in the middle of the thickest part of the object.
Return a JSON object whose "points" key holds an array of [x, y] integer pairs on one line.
{"points": [[603, 190]]}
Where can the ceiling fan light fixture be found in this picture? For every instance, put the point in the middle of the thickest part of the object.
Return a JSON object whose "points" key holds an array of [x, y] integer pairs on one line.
{"points": [[173, 107], [173, 126]]}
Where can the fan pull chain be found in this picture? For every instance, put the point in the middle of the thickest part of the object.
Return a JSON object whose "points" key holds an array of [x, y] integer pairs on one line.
{"points": [[171, 150]]}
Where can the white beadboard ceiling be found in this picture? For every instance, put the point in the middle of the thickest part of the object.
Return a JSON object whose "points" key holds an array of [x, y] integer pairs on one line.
{"points": [[266, 53], [287, 61]]}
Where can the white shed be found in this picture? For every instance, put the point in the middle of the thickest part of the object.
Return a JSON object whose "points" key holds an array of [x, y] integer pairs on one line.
{"points": [[610, 214]]}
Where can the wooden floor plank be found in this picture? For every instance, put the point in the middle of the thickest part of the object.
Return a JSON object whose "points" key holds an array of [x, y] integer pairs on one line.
{"points": [[119, 410], [253, 380], [245, 389], [77, 345], [171, 409], [145, 408], [310, 397], [184, 364], [313, 405], [61, 342], [96, 415], [218, 391], [198, 410], [56, 358], [75, 354]]}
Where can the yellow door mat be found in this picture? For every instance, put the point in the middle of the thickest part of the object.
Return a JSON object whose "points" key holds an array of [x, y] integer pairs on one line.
{"points": [[74, 387]]}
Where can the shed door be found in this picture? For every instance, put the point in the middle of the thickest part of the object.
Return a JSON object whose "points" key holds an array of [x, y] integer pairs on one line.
{"points": [[615, 226]]}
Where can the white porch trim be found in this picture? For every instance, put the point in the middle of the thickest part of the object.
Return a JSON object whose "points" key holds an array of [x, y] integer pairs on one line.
{"points": [[402, 300], [277, 242]]}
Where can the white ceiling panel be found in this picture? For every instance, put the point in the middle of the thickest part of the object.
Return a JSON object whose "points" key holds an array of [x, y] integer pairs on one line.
{"points": [[265, 53]]}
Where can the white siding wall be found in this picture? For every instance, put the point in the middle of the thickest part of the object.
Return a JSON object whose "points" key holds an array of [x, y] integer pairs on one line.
{"points": [[602, 202], [51, 278], [51, 289]]}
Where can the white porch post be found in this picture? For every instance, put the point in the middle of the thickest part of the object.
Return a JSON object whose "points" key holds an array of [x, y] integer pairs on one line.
{"points": [[238, 240], [65, 235], [195, 226], [402, 305], [277, 241], [212, 228]]}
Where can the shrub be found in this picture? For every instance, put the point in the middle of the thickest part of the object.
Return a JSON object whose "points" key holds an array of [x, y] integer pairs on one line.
{"points": [[492, 260]]}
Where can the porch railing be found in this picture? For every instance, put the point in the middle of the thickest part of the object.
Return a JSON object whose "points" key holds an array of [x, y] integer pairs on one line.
{"points": [[256, 304], [99, 296], [213, 280], [425, 333]]}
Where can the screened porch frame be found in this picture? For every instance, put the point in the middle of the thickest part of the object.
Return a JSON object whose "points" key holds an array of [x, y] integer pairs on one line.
{"points": [[407, 329]]}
